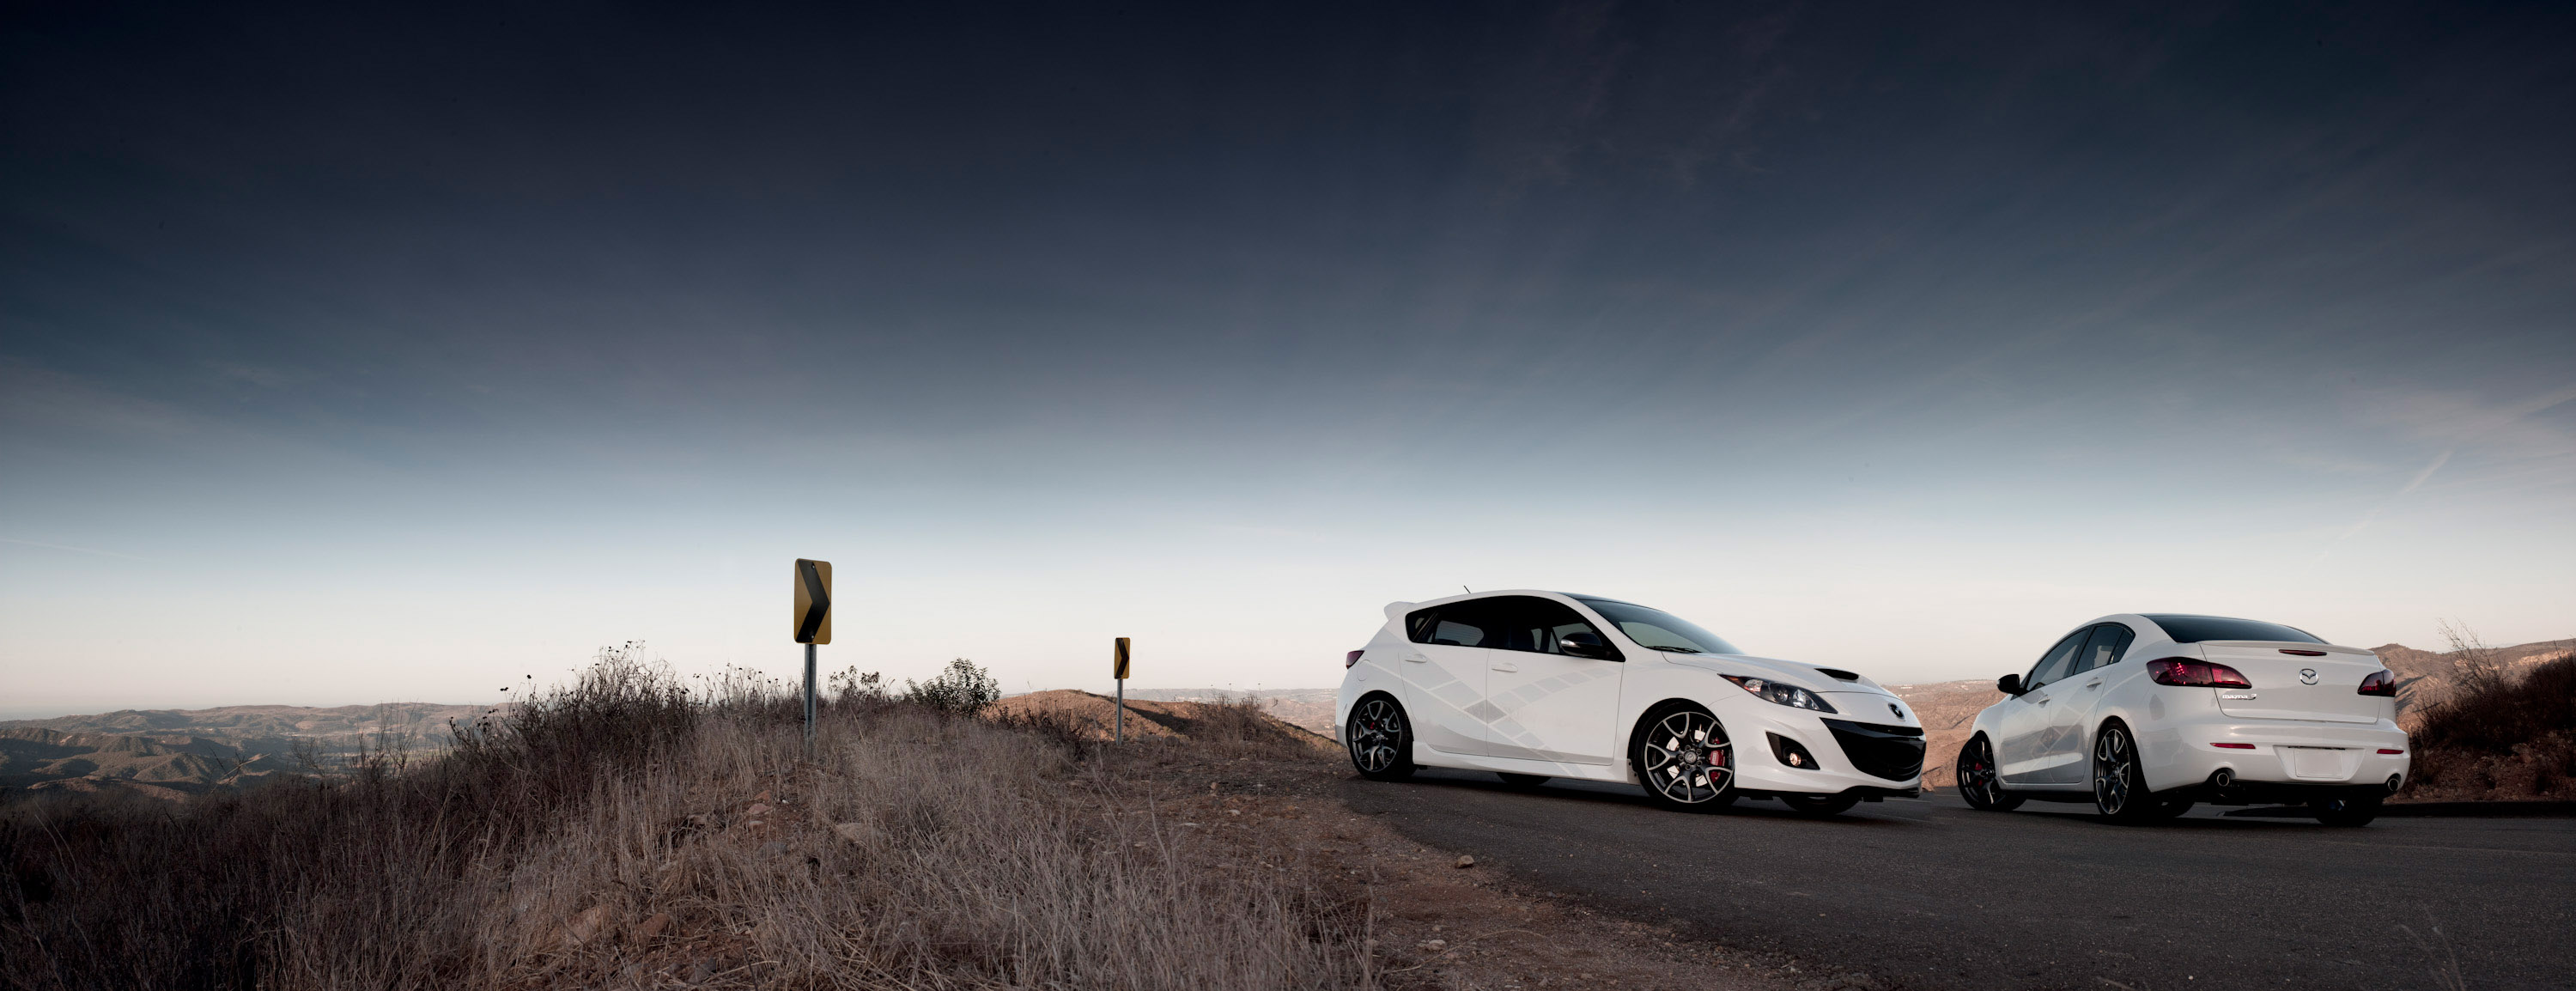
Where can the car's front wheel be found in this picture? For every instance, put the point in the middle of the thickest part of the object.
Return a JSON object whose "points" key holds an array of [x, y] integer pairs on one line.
{"points": [[1684, 759], [2119, 780], [1380, 740], [1977, 779]]}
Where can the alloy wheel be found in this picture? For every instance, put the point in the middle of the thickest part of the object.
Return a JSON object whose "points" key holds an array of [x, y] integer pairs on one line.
{"points": [[1976, 774], [1687, 758], [1377, 730], [2115, 766]]}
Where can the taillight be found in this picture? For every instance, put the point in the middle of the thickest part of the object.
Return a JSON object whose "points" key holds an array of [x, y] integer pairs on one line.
{"points": [[2187, 673], [2382, 682], [1354, 658]]}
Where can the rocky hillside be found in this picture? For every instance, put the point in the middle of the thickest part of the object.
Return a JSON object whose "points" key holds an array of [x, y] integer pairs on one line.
{"points": [[1150, 719], [2426, 678], [1946, 708], [1310, 708]]}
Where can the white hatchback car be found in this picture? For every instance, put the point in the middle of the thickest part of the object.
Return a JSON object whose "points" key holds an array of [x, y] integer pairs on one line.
{"points": [[2145, 714], [1536, 685]]}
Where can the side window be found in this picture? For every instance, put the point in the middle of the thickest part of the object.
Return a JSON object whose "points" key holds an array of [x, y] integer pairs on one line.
{"points": [[1418, 623], [2109, 641], [1458, 624], [1526, 622], [2052, 665]]}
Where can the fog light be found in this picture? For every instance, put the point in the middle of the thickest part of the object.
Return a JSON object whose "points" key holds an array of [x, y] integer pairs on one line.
{"points": [[1791, 753]]}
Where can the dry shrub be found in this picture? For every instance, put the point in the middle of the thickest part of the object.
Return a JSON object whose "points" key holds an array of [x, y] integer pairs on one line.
{"points": [[918, 849], [2461, 740]]}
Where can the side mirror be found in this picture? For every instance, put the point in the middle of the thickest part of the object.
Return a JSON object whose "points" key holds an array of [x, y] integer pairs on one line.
{"points": [[1582, 644], [2009, 684]]}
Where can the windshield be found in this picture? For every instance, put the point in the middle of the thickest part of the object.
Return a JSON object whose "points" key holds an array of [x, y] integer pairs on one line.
{"points": [[2194, 629], [1657, 629]]}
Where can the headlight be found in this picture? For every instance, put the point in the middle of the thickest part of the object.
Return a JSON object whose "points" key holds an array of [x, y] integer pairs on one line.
{"points": [[1789, 695]]}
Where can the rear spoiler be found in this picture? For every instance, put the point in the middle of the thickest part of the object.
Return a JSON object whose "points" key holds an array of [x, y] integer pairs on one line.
{"points": [[2288, 645]]}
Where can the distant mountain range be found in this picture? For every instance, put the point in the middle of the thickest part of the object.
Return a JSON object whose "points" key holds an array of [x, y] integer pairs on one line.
{"points": [[173, 753]]}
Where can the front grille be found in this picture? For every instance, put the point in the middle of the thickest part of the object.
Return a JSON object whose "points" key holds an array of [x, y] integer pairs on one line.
{"points": [[1891, 752]]}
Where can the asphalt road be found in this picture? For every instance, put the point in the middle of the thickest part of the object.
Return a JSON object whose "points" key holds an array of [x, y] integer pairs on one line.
{"points": [[1933, 894]]}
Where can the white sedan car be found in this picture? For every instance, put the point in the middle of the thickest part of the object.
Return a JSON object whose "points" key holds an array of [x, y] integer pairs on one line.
{"points": [[1537, 685], [2145, 714]]}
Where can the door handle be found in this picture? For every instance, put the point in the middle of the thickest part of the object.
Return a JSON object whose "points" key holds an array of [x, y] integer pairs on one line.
{"points": [[1417, 659], [2043, 701], [2092, 685], [1507, 667]]}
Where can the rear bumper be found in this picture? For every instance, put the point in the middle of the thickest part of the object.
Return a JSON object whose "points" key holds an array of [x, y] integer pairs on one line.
{"points": [[2274, 793], [2292, 756]]}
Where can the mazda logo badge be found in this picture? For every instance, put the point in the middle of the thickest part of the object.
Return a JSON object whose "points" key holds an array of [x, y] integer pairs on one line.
{"points": [[1900, 713], [2307, 676]]}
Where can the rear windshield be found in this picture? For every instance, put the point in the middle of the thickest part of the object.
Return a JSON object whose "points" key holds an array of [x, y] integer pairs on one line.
{"points": [[2194, 629]]}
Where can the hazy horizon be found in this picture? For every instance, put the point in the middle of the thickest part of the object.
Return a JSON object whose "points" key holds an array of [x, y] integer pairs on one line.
{"points": [[351, 356]]}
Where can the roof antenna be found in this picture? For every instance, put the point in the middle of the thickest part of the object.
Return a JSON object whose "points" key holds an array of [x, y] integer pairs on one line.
{"points": [[1467, 590]]}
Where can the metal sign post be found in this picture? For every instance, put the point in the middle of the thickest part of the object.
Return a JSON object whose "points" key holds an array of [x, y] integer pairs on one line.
{"points": [[813, 620], [1118, 666]]}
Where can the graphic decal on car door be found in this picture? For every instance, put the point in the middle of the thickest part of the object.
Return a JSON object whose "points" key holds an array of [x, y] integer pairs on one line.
{"points": [[1444, 674], [1543, 701]]}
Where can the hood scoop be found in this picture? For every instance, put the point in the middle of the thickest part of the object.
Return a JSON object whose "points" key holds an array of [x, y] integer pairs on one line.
{"points": [[1838, 674]]}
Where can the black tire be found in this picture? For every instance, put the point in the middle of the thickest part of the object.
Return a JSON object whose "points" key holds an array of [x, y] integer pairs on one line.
{"points": [[1681, 755], [1523, 782], [2119, 780], [1819, 806], [1380, 739], [2345, 811], [1978, 780]]}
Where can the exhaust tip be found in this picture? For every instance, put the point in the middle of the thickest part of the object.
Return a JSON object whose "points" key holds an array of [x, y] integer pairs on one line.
{"points": [[2222, 778], [2395, 780]]}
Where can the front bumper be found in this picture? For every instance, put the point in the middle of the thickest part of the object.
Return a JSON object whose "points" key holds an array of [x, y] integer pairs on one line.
{"points": [[1835, 754]]}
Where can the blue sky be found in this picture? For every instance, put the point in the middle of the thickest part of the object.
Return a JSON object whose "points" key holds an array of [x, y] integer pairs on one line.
{"points": [[351, 356]]}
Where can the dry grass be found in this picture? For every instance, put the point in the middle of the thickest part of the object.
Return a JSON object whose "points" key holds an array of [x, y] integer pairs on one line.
{"points": [[624, 832], [2500, 736]]}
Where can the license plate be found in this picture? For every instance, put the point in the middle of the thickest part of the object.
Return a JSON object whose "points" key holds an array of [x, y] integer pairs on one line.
{"points": [[2317, 763]]}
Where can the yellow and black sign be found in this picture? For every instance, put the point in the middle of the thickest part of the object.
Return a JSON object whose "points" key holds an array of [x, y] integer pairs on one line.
{"points": [[1119, 659], [813, 601]]}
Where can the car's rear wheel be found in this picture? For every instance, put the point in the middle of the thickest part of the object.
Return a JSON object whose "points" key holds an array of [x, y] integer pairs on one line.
{"points": [[2119, 781], [1380, 739], [2345, 811], [1819, 806], [1521, 780], [1684, 759], [1977, 780]]}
